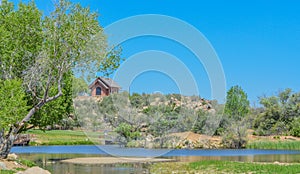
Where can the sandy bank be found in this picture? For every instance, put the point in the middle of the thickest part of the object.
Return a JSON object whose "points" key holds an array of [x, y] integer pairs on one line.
{"points": [[114, 160]]}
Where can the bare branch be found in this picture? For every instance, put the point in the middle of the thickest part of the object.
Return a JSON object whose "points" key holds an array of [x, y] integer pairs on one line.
{"points": [[47, 85]]}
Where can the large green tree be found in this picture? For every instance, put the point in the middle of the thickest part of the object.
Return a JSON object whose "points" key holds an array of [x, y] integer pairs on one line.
{"points": [[42, 52]]}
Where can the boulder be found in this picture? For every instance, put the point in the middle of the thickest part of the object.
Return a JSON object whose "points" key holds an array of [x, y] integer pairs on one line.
{"points": [[2, 166], [12, 157]]}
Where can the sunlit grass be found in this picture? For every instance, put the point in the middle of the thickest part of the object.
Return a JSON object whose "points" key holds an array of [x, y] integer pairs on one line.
{"points": [[222, 167], [64, 137], [278, 145], [7, 171]]}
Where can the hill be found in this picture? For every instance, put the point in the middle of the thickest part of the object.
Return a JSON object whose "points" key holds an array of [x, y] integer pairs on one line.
{"points": [[148, 119]]}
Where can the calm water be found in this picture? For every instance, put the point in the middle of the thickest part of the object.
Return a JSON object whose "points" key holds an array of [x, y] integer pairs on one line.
{"points": [[49, 157]]}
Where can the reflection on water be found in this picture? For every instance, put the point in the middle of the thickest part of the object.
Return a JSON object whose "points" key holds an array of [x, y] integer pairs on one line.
{"points": [[52, 163], [283, 158], [63, 168], [49, 157]]}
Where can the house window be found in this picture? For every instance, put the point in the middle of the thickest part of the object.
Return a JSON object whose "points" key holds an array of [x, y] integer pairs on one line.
{"points": [[98, 91]]}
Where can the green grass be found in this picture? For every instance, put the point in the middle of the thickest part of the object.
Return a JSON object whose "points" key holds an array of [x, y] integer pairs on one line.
{"points": [[7, 171], [63, 137], [27, 163], [223, 167], [286, 145]]}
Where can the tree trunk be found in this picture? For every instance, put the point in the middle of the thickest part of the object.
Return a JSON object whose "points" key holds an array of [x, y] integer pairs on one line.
{"points": [[161, 141], [6, 143]]}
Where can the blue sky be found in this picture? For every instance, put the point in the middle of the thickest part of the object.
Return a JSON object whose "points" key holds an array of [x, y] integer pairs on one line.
{"points": [[257, 42]]}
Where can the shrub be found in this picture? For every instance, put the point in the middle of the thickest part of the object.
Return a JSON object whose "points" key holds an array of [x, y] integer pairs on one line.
{"points": [[295, 128], [235, 136]]}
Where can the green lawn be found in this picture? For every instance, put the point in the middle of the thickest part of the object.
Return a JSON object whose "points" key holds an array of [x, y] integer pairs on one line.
{"points": [[223, 167], [64, 137]]}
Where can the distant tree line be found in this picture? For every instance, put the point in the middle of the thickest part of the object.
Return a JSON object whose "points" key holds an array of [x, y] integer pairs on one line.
{"points": [[162, 115]]}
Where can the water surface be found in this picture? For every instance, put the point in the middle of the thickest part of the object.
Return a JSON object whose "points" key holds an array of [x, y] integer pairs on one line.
{"points": [[49, 157]]}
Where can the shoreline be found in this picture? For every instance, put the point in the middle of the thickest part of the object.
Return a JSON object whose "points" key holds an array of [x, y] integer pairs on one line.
{"points": [[115, 160], [193, 140]]}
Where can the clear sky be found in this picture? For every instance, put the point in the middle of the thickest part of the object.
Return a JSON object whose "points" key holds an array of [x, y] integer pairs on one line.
{"points": [[257, 42]]}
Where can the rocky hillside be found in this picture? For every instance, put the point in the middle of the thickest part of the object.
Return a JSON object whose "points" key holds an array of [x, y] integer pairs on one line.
{"points": [[190, 102], [146, 117]]}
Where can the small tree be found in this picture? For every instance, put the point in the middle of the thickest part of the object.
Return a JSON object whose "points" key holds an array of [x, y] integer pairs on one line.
{"points": [[237, 104], [236, 108]]}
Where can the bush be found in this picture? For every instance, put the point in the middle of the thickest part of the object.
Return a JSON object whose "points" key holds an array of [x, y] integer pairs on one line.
{"points": [[295, 128], [235, 136]]}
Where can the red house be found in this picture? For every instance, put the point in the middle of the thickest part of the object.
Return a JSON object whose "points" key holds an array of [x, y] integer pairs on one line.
{"points": [[103, 87]]}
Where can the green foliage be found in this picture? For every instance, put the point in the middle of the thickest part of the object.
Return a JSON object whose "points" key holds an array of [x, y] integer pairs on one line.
{"points": [[199, 126], [58, 110], [89, 114], [127, 131], [277, 145], [111, 62], [279, 115], [79, 87], [27, 163], [44, 52], [236, 108], [20, 38], [285, 95], [164, 120], [237, 105], [13, 104], [235, 135], [295, 127], [136, 100], [7, 171], [186, 118]]}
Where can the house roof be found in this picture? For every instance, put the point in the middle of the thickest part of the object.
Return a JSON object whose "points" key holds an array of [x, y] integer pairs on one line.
{"points": [[106, 82], [110, 82]]}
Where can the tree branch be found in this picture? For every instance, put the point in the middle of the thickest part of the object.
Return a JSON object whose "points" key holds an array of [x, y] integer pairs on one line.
{"points": [[47, 86]]}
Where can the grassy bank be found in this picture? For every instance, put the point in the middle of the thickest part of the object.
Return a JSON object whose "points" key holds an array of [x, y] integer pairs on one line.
{"points": [[78, 137], [278, 145], [222, 167], [63, 137]]}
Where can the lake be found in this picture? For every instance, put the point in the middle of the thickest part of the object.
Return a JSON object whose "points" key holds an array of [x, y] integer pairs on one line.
{"points": [[49, 157]]}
